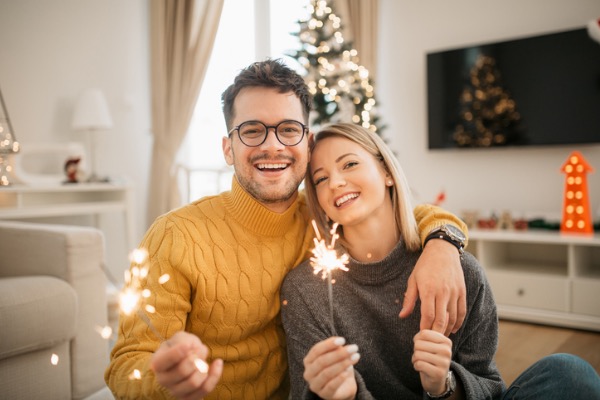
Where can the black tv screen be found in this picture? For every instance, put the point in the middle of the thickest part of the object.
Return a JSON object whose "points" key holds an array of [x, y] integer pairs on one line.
{"points": [[542, 90]]}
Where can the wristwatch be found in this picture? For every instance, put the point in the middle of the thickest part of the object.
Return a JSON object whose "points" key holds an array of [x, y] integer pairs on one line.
{"points": [[450, 234], [450, 387]]}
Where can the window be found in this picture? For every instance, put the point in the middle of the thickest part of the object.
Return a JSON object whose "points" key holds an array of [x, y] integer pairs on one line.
{"points": [[248, 31]]}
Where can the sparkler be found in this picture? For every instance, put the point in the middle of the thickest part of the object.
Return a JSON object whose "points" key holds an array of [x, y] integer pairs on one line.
{"points": [[325, 260], [132, 299]]}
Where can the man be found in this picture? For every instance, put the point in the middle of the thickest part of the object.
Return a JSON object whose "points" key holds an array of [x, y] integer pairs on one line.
{"points": [[227, 255]]}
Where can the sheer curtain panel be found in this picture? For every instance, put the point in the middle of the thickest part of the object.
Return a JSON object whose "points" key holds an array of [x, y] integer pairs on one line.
{"points": [[360, 20], [182, 33]]}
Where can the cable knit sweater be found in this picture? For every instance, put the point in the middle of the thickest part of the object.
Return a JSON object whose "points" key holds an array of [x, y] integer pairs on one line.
{"points": [[367, 301], [227, 256]]}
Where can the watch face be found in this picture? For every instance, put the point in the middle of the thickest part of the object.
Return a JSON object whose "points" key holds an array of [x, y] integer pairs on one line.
{"points": [[454, 231]]}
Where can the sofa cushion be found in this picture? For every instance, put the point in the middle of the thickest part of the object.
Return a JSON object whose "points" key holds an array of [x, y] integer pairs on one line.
{"points": [[32, 376], [36, 312]]}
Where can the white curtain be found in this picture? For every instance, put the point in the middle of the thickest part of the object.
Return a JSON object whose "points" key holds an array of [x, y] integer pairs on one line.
{"points": [[182, 33], [360, 20]]}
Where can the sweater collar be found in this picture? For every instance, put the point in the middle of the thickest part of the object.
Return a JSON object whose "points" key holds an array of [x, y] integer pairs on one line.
{"points": [[393, 265], [254, 216]]}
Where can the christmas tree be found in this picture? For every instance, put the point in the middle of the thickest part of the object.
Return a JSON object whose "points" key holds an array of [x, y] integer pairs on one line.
{"points": [[340, 86], [488, 115]]}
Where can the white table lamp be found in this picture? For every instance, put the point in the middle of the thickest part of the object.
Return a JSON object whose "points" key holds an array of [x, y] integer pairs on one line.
{"points": [[92, 115]]}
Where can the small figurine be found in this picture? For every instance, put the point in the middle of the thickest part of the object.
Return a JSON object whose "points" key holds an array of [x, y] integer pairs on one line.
{"points": [[72, 170], [505, 221]]}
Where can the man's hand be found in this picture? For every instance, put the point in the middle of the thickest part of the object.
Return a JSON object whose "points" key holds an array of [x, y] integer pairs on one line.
{"points": [[328, 369], [439, 282], [175, 366]]}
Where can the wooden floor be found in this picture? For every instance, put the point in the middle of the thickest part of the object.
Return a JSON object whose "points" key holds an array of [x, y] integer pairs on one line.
{"points": [[522, 344]]}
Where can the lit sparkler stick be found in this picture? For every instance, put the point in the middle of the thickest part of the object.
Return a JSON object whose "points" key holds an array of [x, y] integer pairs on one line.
{"points": [[325, 260], [133, 295]]}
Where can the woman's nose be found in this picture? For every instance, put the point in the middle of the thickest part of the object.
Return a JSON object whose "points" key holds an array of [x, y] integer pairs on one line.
{"points": [[336, 181]]}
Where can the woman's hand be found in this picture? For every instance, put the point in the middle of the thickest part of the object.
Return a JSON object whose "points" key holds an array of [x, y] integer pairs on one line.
{"points": [[431, 358], [329, 371], [176, 366]]}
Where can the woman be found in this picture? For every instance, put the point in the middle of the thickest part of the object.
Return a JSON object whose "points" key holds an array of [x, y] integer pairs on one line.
{"points": [[367, 351]]}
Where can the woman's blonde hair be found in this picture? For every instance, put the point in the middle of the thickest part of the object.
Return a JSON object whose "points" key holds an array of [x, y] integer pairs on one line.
{"points": [[399, 191]]}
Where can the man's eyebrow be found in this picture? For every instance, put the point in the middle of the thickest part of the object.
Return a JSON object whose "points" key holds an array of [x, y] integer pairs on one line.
{"points": [[337, 160]]}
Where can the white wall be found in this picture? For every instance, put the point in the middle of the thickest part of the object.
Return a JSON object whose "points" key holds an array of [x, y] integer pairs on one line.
{"points": [[52, 50], [524, 181]]}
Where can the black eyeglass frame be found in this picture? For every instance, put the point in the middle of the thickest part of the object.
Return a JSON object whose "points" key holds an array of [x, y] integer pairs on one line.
{"points": [[267, 127]]}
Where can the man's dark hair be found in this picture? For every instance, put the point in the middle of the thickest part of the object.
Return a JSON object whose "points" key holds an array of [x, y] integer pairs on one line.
{"points": [[268, 73]]}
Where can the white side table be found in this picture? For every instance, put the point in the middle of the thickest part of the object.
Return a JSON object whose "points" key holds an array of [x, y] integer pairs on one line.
{"points": [[22, 201]]}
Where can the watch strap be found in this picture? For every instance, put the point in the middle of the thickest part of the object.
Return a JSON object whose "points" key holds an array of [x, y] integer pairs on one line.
{"points": [[444, 236], [450, 386]]}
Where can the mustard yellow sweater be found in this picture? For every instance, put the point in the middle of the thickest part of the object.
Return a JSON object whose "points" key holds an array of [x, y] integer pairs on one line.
{"points": [[226, 256]]}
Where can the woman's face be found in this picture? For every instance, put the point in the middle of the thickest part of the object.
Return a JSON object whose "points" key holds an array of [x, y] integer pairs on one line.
{"points": [[350, 183]]}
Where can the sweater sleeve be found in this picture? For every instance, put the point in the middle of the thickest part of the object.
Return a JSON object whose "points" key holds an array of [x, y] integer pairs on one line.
{"points": [[475, 344], [430, 217], [136, 341]]}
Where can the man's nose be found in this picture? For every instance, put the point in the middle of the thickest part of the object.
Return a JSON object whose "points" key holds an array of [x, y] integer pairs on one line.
{"points": [[272, 140]]}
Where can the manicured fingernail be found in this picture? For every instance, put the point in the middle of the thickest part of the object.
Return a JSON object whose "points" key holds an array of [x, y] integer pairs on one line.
{"points": [[339, 341], [355, 356], [352, 348]]}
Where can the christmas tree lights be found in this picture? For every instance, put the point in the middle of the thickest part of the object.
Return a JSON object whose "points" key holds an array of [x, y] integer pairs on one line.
{"points": [[488, 114], [340, 86]]}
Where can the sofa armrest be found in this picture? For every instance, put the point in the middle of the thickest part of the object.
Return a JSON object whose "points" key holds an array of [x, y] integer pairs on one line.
{"points": [[43, 249], [76, 255]]}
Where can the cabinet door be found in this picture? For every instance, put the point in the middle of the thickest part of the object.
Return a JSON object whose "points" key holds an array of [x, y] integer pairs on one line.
{"points": [[529, 290], [586, 297]]}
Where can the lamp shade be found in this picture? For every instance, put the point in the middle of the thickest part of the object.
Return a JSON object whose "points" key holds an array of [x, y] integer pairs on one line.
{"points": [[91, 111]]}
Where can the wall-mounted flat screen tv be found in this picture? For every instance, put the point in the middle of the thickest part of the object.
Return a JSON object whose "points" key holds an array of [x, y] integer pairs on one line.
{"points": [[535, 91]]}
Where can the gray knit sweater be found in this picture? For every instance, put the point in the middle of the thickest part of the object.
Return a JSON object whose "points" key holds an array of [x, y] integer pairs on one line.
{"points": [[367, 300]]}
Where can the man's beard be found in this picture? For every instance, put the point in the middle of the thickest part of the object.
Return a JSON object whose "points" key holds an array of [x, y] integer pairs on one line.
{"points": [[266, 194]]}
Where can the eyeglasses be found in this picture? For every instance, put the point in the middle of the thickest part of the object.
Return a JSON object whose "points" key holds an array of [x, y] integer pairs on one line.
{"points": [[254, 133]]}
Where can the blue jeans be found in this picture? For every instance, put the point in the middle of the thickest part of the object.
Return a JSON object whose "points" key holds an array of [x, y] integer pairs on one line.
{"points": [[559, 376]]}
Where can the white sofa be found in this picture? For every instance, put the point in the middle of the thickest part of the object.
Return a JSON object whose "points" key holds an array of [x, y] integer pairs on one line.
{"points": [[52, 299]]}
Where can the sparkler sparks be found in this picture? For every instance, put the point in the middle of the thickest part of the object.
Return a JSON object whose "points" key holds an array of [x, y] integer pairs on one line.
{"points": [[104, 331], [135, 375], [325, 257], [325, 260], [132, 299]]}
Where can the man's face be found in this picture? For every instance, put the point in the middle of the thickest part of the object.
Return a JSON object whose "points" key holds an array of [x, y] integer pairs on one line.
{"points": [[271, 172]]}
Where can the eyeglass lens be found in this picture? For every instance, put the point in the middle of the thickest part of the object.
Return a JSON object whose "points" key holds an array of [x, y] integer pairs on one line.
{"points": [[253, 133]]}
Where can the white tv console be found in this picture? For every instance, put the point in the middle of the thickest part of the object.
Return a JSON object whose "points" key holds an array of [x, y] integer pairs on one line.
{"points": [[542, 276]]}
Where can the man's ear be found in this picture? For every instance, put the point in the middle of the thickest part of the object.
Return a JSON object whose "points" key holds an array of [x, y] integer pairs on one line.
{"points": [[227, 150]]}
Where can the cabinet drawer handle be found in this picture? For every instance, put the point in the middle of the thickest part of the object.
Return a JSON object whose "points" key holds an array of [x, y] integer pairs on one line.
{"points": [[521, 292]]}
